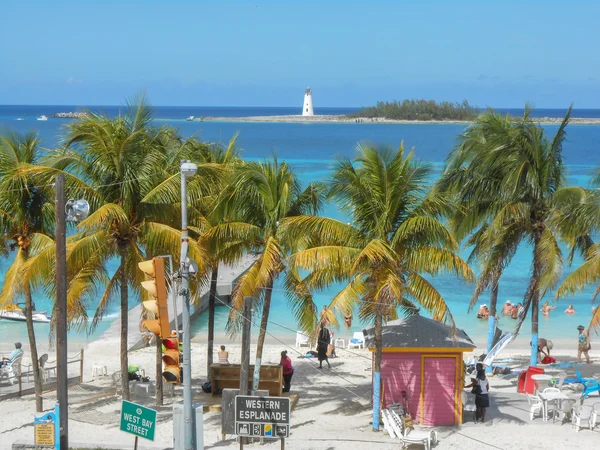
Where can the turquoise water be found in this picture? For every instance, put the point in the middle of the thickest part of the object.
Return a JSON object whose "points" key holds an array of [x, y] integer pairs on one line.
{"points": [[310, 149]]}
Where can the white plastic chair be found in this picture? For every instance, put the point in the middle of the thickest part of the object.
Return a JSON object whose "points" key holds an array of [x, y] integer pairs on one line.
{"points": [[581, 415], [552, 404], [535, 405], [469, 404], [595, 414], [302, 339], [407, 435], [561, 380], [357, 341], [12, 369]]}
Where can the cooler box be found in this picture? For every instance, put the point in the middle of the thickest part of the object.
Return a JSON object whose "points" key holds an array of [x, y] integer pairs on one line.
{"points": [[526, 384]]}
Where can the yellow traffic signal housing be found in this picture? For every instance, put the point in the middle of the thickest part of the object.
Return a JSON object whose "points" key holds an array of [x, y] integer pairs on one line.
{"points": [[171, 358], [156, 285]]}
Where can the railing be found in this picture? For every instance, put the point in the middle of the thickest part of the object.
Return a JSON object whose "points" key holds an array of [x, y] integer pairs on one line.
{"points": [[18, 389]]}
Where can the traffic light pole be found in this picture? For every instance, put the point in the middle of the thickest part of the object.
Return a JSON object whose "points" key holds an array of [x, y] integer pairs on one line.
{"points": [[187, 341]]}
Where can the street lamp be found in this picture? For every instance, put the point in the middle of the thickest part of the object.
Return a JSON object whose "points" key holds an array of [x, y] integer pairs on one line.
{"points": [[74, 212], [188, 169]]}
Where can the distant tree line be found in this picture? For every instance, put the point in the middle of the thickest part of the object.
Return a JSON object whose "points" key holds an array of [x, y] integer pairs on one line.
{"points": [[419, 110]]}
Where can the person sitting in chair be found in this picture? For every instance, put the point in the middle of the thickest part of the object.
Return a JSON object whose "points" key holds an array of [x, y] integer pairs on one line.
{"points": [[14, 354]]}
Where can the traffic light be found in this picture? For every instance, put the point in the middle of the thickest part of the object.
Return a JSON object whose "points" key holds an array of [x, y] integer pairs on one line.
{"points": [[171, 358], [156, 286]]}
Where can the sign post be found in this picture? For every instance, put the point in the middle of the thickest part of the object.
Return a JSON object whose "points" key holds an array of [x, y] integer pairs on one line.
{"points": [[47, 434], [138, 420], [265, 417]]}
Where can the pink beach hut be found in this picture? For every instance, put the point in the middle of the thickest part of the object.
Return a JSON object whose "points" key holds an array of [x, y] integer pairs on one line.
{"points": [[424, 359]]}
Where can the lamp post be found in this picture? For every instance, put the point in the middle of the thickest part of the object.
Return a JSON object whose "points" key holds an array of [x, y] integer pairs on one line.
{"points": [[72, 211], [188, 169]]}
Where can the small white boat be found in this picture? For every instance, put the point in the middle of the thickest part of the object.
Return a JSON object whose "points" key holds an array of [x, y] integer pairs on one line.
{"points": [[17, 315], [19, 118], [189, 119], [42, 117]]}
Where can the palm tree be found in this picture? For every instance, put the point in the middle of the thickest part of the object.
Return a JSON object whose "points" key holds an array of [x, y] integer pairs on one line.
{"points": [[134, 180], [512, 176], [394, 237], [585, 218], [26, 220], [261, 196]]}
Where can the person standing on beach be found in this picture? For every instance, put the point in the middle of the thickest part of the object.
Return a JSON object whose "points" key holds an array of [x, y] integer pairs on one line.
{"points": [[288, 370], [323, 342], [583, 344], [480, 387]]}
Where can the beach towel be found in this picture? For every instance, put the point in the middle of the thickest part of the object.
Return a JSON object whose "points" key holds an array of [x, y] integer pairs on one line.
{"points": [[548, 360]]}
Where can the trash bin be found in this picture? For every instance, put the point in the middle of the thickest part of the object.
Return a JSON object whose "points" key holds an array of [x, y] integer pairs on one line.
{"points": [[526, 384]]}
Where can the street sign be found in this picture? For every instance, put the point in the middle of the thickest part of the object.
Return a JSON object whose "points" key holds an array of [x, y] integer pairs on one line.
{"points": [[262, 416], [138, 420], [44, 434], [47, 434]]}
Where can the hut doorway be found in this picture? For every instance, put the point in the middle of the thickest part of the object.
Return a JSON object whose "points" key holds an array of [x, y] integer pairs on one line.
{"points": [[439, 383]]}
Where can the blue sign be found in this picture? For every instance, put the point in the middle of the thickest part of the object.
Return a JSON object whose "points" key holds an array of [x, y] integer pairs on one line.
{"points": [[47, 429]]}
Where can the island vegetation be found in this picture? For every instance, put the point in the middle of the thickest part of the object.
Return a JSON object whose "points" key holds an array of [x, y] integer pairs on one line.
{"points": [[419, 109]]}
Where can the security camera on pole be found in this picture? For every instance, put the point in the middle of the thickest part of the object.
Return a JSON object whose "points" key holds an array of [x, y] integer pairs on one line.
{"points": [[188, 169]]}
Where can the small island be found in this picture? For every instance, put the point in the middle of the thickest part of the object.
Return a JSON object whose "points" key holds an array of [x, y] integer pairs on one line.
{"points": [[69, 115], [419, 110]]}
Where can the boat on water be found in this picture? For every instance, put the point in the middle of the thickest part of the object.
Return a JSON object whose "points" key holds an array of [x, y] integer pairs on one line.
{"points": [[189, 119], [42, 117], [19, 118], [16, 314]]}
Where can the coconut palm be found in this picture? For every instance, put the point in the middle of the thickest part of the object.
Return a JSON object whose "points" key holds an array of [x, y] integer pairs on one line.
{"points": [[586, 218], [394, 237], [134, 179], [512, 176], [26, 220], [261, 195]]}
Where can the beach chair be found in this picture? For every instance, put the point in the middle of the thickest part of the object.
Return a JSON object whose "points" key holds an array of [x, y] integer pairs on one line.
{"points": [[357, 341], [302, 339], [565, 410], [589, 384], [582, 414], [42, 362], [408, 435], [11, 370], [469, 404], [535, 405]]}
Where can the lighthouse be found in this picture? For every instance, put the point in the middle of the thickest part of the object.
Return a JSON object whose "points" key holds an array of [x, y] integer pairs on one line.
{"points": [[307, 106]]}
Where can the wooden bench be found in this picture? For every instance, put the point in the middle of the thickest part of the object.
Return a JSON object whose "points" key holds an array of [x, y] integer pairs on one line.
{"points": [[224, 376]]}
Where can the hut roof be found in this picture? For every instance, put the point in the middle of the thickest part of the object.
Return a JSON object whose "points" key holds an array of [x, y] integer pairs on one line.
{"points": [[419, 332]]}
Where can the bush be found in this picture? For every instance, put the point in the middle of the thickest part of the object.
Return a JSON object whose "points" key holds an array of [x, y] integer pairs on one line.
{"points": [[419, 110]]}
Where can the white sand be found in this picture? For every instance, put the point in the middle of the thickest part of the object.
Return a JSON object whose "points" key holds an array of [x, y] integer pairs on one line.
{"points": [[333, 411]]}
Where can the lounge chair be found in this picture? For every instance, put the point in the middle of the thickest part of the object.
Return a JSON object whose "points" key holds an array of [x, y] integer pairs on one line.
{"points": [[561, 380], [589, 384], [12, 369], [357, 341], [302, 339], [408, 435]]}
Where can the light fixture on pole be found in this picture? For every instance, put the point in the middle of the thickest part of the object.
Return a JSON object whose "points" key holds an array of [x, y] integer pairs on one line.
{"points": [[75, 212], [188, 169]]}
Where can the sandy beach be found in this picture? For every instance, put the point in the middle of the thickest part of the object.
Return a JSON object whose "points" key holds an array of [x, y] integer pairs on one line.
{"points": [[362, 121], [333, 411]]}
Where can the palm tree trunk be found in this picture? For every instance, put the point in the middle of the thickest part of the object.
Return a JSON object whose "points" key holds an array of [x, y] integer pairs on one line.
{"points": [[159, 377], [212, 295], [534, 293], [37, 379], [124, 327], [377, 368], [262, 333], [492, 321]]}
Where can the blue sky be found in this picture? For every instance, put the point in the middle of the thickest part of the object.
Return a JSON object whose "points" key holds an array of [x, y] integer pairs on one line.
{"points": [[264, 53]]}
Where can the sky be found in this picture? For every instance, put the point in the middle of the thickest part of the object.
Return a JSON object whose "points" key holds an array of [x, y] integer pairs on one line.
{"points": [[265, 53]]}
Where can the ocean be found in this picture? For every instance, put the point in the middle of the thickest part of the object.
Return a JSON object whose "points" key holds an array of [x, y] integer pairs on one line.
{"points": [[310, 148]]}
